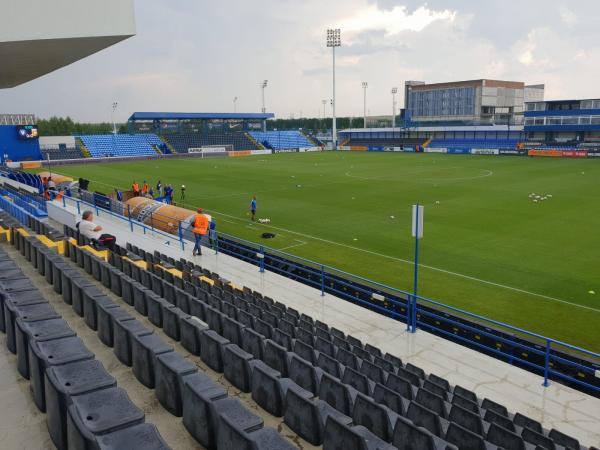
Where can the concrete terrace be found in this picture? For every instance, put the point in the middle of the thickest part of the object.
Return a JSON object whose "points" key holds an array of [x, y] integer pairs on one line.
{"points": [[556, 406]]}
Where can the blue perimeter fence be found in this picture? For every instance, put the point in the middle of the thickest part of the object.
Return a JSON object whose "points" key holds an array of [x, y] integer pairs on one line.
{"points": [[550, 358]]}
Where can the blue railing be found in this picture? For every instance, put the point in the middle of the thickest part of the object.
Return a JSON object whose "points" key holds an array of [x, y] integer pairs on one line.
{"points": [[548, 357]]}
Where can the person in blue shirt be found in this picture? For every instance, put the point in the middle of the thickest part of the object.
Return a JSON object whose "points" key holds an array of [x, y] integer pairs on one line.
{"points": [[253, 207]]}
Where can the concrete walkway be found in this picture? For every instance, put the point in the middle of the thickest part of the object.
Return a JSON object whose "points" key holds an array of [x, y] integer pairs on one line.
{"points": [[556, 406]]}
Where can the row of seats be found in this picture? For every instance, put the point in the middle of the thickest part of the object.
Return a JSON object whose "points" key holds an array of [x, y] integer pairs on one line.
{"points": [[61, 153], [282, 139], [308, 352], [392, 142], [211, 417], [84, 406], [181, 142], [474, 143], [102, 145]]}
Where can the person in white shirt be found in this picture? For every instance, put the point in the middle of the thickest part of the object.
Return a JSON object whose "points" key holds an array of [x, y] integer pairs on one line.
{"points": [[93, 232]]}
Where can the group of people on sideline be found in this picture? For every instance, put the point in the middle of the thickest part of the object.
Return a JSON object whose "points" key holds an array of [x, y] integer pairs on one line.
{"points": [[51, 191], [163, 193]]}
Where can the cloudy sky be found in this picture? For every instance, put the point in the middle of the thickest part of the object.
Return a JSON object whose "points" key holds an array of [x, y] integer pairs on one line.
{"points": [[199, 55]]}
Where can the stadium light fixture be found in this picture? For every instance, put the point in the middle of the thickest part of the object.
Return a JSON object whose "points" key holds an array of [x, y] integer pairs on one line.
{"points": [[365, 85], [394, 92], [334, 39], [114, 107], [263, 85]]}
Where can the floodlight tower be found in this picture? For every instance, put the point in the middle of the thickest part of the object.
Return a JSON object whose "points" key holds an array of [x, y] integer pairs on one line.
{"points": [[365, 85], [114, 107], [235, 104], [394, 92], [263, 85], [334, 40], [324, 105]]}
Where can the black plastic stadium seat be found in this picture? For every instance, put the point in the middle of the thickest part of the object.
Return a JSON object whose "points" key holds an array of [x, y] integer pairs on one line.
{"points": [[526, 422], [465, 393], [504, 438], [41, 330], [28, 313], [190, 329], [253, 343], [171, 371], [493, 406], [131, 437], [269, 389], [46, 354], [432, 401], [358, 381], [504, 422], [231, 436], [276, 357], [340, 436], [538, 439], [155, 305], [144, 352], [466, 419], [435, 389], [107, 316], [337, 394], [304, 374], [469, 405], [64, 382], [123, 334], [92, 305], [98, 413], [407, 436], [238, 366], [391, 399], [305, 351], [232, 330], [212, 347], [172, 317], [400, 385], [373, 372], [330, 365], [377, 418], [199, 393], [564, 439], [463, 438], [307, 416], [423, 417]]}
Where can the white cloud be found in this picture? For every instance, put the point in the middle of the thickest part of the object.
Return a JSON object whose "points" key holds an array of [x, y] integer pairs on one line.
{"points": [[392, 21]]}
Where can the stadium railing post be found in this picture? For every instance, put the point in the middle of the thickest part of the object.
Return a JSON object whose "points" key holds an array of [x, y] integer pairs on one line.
{"points": [[78, 207], [547, 364], [261, 259], [129, 217], [180, 234], [322, 281], [151, 224], [64, 202]]}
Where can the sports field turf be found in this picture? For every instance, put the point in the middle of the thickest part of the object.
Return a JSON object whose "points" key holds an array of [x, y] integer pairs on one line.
{"points": [[488, 248]]}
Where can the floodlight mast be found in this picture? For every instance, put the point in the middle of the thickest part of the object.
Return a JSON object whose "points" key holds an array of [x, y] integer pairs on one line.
{"points": [[114, 107], [394, 92], [263, 85], [365, 85], [334, 40], [235, 104]]}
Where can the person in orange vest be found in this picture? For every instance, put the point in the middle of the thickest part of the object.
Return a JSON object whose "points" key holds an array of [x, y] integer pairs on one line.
{"points": [[145, 188], [200, 228], [135, 188]]}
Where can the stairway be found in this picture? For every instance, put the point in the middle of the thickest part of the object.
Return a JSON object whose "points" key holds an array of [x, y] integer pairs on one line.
{"points": [[258, 145], [82, 148]]}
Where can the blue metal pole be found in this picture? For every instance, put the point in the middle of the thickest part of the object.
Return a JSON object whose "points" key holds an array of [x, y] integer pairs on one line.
{"points": [[416, 278], [262, 260], [151, 223], [78, 207], [547, 364], [180, 230], [322, 281]]}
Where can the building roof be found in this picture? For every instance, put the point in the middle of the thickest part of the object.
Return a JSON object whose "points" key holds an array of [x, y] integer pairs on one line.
{"points": [[199, 116], [469, 83]]}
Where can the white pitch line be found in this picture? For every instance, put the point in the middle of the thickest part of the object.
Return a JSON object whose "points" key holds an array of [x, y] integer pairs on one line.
{"points": [[293, 245], [437, 269]]}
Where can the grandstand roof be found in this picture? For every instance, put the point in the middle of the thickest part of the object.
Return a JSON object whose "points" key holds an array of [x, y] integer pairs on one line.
{"points": [[199, 116]]}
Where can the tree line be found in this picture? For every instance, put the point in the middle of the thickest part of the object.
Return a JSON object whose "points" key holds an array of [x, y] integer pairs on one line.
{"points": [[65, 126]]}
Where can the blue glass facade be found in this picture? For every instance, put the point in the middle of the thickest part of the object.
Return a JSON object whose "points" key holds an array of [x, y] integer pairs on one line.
{"points": [[442, 102]]}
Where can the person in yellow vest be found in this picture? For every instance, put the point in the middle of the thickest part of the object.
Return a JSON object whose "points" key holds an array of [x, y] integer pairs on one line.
{"points": [[135, 188], [200, 228]]}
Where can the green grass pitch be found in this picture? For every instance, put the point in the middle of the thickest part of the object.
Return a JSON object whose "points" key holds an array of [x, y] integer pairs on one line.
{"points": [[487, 248]]}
